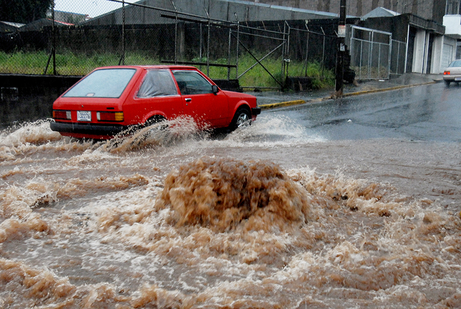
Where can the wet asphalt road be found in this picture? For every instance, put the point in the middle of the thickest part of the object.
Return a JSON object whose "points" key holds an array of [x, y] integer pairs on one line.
{"points": [[422, 113]]}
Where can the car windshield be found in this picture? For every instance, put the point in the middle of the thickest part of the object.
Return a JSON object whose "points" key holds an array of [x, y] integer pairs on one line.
{"points": [[456, 63], [104, 83]]}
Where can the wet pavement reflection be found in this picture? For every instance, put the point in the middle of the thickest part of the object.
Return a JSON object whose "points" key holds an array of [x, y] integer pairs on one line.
{"points": [[427, 113]]}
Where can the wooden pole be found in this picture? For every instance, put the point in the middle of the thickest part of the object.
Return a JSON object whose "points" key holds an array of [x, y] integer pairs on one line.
{"points": [[341, 49]]}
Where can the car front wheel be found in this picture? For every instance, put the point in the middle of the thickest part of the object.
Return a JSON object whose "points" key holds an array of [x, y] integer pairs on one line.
{"points": [[241, 118]]}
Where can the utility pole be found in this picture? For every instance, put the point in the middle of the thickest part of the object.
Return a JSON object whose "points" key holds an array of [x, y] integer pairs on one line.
{"points": [[341, 49]]}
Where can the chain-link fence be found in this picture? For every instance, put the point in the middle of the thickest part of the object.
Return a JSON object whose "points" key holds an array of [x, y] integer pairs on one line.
{"points": [[399, 50], [64, 43], [375, 55], [370, 53], [312, 43]]}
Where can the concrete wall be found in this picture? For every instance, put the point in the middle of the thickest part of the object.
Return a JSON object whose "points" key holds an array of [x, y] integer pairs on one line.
{"points": [[30, 97], [452, 24], [396, 25]]}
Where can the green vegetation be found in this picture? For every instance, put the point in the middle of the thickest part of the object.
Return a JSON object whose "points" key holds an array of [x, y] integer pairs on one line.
{"points": [[66, 64], [321, 77], [257, 76]]}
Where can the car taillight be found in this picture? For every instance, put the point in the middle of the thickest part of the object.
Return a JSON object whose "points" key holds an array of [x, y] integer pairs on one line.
{"points": [[446, 73], [62, 115], [110, 116]]}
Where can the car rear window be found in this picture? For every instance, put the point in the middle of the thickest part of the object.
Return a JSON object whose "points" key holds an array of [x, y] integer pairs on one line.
{"points": [[158, 82], [456, 63], [104, 83]]}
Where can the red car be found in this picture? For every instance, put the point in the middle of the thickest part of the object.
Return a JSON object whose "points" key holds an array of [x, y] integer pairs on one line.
{"points": [[111, 100]]}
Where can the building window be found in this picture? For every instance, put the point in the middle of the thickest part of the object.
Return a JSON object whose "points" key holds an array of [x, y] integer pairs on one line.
{"points": [[453, 7]]}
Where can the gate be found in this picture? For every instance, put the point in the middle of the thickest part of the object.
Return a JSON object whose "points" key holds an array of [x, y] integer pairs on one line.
{"points": [[226, 42], [398, 57], [371, 53]]}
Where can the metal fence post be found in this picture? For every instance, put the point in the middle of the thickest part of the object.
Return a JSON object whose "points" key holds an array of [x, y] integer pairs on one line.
{"points": [[389, 57], [237, 50], [286, 53], [122, 58], [283, 50], [307, 49], [53, 44], [370, 53], [229, 53], [208, 49], [361, 58], [323, 53]]}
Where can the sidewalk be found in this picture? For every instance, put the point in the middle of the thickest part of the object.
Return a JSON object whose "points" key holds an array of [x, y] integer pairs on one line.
{"points": [[267, 100]]}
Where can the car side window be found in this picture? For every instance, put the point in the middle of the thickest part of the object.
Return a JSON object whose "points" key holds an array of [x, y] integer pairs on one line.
{"points": [[191, 82], [158, 82]]}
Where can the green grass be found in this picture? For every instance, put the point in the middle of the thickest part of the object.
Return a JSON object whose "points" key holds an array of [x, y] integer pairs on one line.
{"points": [[72, 64]]}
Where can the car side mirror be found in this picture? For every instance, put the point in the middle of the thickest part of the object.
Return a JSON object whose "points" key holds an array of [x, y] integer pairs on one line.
{"points": [[214, 89]]}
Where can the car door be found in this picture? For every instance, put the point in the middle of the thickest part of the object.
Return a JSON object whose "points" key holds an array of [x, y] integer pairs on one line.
{"points": [[207, 108], [157, 96]]}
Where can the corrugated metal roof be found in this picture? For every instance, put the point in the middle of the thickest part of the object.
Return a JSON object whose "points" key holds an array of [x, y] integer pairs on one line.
{"points": [[284, 8], [219, 10], [379, 12]]}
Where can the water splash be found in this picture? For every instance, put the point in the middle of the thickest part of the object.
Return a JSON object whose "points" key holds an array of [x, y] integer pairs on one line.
{"points": [[271, 129], [36, 133], [221, 194], [81, 226], [165, 133], [35, 137]]}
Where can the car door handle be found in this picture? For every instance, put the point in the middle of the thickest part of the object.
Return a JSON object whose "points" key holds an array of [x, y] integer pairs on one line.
{"points": [[188, 99]]}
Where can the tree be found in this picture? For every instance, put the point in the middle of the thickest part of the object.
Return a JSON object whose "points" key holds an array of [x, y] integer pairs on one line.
{"points": [[24, 11]]}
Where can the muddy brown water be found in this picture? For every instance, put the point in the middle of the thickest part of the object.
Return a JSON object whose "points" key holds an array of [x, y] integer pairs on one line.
{"points": [[266, 217]]}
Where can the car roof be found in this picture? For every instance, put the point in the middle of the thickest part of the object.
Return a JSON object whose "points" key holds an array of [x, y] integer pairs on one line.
{"points": [[156, 66]]}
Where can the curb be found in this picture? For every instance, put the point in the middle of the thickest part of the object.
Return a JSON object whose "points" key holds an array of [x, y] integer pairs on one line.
{"points": [[386, 89], [350, 94], [281, 104]]}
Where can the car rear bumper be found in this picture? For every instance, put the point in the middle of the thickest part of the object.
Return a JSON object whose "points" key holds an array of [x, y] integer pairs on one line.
{"points": [[87, 128], [452, 78], [256, 111]]}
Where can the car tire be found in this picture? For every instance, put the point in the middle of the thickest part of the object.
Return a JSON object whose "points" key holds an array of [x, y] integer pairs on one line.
{"points": [[241, 118], [156, 120], [447, 83]]}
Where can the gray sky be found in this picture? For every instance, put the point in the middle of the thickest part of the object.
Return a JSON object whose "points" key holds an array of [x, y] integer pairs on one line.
{"points": [[91, 7]]}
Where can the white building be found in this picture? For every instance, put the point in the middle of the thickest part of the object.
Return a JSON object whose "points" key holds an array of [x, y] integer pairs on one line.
{"points": [[452, 23]]}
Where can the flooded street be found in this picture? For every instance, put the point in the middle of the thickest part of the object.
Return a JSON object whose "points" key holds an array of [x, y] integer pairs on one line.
{"points": [[276, 215]]}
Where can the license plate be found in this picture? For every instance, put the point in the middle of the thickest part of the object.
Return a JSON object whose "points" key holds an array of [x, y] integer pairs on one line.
{"points": [[457, 79], [83, 116]]}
